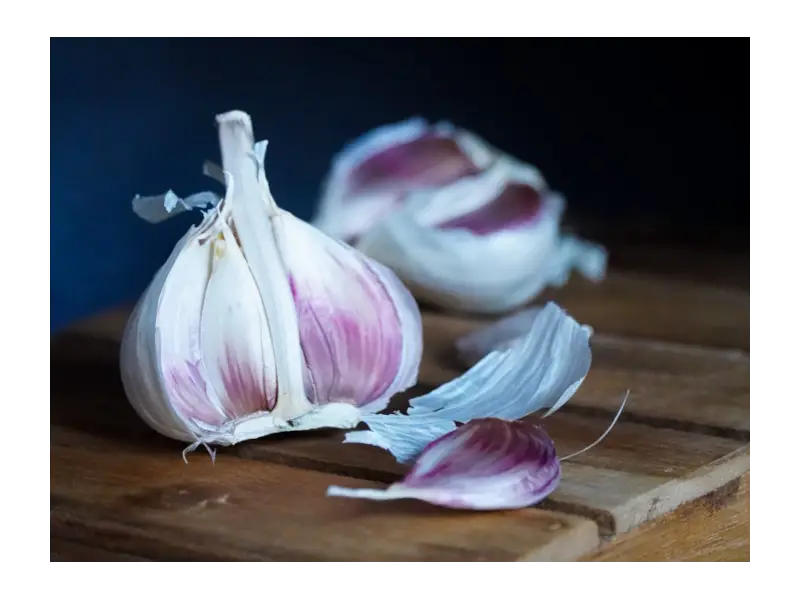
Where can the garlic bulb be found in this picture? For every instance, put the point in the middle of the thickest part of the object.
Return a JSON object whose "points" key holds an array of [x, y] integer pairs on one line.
{"points": [[372, 176], [259, 323], [487, 243], [464, 225]]}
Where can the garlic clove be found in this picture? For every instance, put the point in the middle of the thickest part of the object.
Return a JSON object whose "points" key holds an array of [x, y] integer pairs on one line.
{"points": [[140, 371], [498, 336], [362, 341], [542, 372], [485, 244], [180, 357], [487, 464], [145, 345], [372, 175], [234, 335]]}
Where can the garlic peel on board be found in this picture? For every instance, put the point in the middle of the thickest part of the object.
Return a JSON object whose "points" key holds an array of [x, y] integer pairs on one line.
{"points": [[486, 464], [468, 446], [542, 371], [499, 335], [258, 323]]}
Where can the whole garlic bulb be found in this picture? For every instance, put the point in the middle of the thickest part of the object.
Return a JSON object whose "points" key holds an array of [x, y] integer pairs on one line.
{"points": [[259, 323], [487, 243]]}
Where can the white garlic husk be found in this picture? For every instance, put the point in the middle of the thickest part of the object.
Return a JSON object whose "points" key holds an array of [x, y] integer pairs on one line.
{"points": [[258, 323], [373, 175], [488, 243]]}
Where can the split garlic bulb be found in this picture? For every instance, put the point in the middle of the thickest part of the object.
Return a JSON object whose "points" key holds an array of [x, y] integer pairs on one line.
{"points": [[259, 323], [464, 225]]}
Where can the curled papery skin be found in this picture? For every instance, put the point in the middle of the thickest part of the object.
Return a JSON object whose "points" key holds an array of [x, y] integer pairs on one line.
{"points": [[501, 335], [543, 371], [485, 244], [373, 175], [258, 323], [487, 464]]}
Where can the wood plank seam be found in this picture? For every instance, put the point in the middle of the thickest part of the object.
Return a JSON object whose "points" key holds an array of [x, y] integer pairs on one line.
{"points": [[658, 422], [681, 445], [714, 527], [704, 478], [169, 514]]}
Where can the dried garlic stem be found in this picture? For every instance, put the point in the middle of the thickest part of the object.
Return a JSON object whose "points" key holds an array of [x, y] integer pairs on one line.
{"points": [[257, 218]]}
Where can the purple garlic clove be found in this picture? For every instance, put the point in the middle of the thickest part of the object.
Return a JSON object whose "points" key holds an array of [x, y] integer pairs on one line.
{"points": [[486, 464]]}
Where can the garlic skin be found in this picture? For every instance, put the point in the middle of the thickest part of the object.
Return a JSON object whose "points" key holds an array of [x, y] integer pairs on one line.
{"points": [[258, 323], [487, 244], [500, 335], [487, 464], [372, 176], [541, 371]]}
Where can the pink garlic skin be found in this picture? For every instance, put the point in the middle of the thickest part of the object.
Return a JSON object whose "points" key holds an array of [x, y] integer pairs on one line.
{"points": [[360, 328], [333, 361], [486, 464], [243, 393], [517, 205], [374, 174], [378, 185], [430, 160]]}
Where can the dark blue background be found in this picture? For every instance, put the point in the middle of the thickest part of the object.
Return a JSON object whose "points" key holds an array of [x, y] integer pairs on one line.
{"points": [[627, 130]]}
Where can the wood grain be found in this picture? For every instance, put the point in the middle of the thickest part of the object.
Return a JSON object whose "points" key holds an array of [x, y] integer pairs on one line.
{"points": [[647, 307], [145, 502], [715, 528], [671, 385], [636, 474], [62, 550], [671, 481]]}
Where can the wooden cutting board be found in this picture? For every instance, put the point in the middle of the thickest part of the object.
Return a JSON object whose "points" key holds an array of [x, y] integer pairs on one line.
{"points": [[671, 482]]}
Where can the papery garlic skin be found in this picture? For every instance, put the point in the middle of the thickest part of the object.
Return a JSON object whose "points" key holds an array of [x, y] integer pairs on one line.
{"points": [[155, 209], [500, 335], [542, 371], [223, 346], [486, 464], [372, 176], [484, 244]]}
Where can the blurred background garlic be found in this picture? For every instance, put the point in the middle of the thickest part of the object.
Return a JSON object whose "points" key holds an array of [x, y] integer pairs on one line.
{"points": [[259, 323], [372, 176], [465, 226]]}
